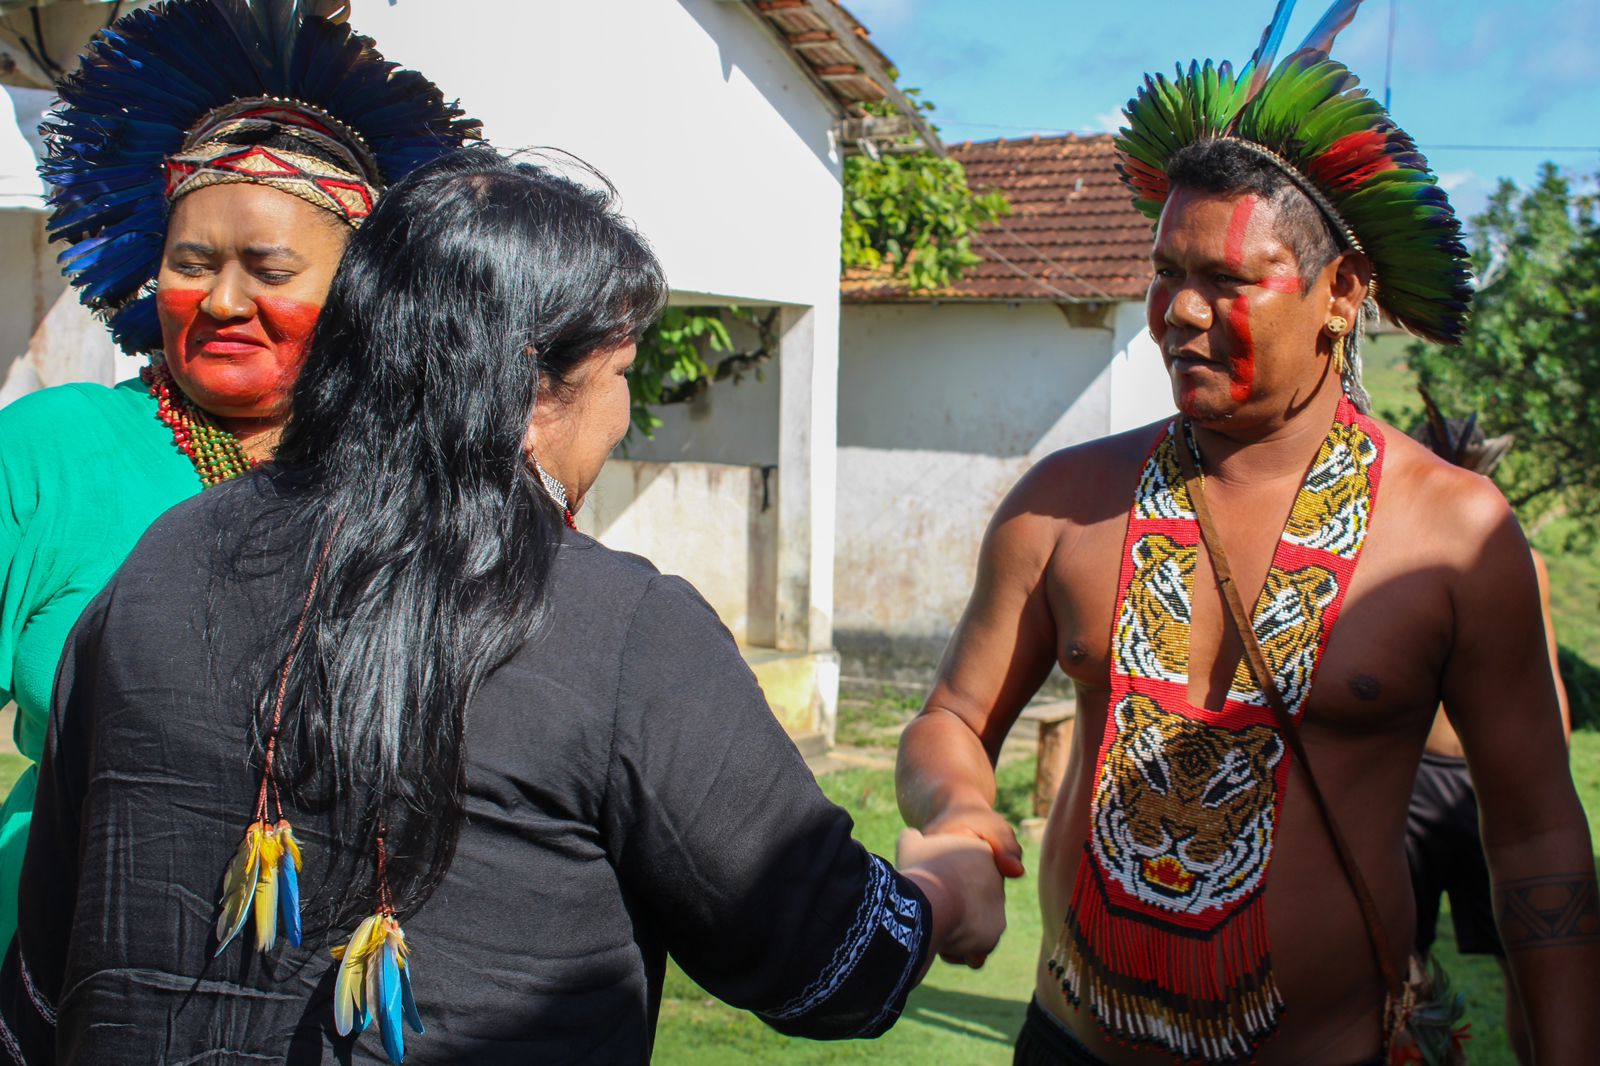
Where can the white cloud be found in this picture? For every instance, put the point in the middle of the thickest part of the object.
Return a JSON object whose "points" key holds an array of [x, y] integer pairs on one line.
{"points": [[1451, 180], [1108, 121]]}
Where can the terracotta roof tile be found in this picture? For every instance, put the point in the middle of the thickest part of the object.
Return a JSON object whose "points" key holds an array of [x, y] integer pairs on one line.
{"points": [[1072, 235], [814, 45]]}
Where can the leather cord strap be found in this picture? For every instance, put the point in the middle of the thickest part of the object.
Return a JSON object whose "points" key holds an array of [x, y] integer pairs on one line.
{"points": [[1194, 482]]}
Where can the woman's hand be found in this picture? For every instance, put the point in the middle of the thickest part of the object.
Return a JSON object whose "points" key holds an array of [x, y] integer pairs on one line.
{"points": [[956, 871]]}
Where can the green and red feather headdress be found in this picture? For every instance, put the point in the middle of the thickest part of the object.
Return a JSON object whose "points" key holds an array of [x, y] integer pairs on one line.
{"points": [[1336, 143]]}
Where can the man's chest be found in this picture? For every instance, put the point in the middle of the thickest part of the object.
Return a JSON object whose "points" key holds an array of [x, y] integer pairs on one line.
{"points": [[1383, 657]]}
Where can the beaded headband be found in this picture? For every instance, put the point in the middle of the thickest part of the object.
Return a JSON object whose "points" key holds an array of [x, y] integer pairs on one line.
{"points": [[284, 144]]}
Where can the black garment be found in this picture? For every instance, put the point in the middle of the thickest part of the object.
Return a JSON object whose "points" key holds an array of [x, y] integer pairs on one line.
{"points": [[629, 795], [1044, 1041], [1446, 855]]}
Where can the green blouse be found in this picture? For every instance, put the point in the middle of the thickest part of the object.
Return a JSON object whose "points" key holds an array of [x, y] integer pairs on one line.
{"points": [[84, 470]]}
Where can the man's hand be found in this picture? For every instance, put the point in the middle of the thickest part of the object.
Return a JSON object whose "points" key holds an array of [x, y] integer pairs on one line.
{"points": [[957, 873], [981, 820]]}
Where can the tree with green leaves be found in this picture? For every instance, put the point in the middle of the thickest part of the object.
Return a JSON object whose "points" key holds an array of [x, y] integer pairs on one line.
{"points": [[1530, 362], [917, 214]]}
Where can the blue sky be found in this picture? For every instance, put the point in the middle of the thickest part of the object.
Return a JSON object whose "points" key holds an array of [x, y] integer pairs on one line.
{"points": [[1465, 72]]}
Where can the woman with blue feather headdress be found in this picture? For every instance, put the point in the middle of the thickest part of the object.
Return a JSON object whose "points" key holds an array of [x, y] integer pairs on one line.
{"points": [[546, 759], [208, 161]]}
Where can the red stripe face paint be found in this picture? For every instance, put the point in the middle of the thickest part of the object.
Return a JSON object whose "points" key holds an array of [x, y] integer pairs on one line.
{"points": [[1233, 251], [1241, 347], [1288, 283], [1242, 351]]}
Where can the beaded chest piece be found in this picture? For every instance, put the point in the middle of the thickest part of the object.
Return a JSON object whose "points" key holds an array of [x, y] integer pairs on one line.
{"points": [[1166, 935]]}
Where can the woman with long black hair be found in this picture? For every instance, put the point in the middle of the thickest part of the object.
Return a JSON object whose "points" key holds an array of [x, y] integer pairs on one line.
{"points": [[398, 709]]}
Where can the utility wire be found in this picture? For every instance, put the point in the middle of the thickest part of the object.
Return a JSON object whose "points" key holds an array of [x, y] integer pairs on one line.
{"points": [[1054, 132], [1025, 273], [1388, 63]]}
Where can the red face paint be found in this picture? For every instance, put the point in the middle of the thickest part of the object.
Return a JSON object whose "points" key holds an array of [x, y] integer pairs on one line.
{"points": [[1242, 354], [242, 367], [1288, 283], [1233, 251], [1242, 351]]}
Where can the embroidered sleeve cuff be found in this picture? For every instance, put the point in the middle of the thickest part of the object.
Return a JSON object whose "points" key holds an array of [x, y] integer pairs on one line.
{"points": [[863, 988]]}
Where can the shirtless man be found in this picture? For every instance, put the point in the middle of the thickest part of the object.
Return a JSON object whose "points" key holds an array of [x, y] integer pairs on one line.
{"points": [[1442, 842], [1252, 284]]}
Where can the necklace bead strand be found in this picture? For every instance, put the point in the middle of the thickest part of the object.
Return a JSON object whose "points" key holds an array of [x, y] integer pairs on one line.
{"points": [[216, 454]]}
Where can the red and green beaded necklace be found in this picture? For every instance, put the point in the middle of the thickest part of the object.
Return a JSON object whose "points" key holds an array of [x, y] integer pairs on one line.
{"points": [[216, 454]]}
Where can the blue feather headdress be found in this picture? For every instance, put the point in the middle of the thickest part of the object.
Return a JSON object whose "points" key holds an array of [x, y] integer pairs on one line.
{"points": [[151, 79]]}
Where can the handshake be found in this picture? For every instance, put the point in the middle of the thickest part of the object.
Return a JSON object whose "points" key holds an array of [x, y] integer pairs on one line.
{"points": [[958, 863]]}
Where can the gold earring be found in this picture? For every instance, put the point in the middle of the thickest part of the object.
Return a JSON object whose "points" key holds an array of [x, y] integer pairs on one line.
{"points": [[1337, 326]]}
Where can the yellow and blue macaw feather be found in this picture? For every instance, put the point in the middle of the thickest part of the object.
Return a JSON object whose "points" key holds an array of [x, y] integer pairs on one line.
{"points": [[349, 988], [289, 882], [263, 879], [266, 901], [239, 885], [374, 983]]}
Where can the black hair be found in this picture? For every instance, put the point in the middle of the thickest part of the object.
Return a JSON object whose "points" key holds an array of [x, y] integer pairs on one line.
{"points": [[1226, 168], [476, 282]]}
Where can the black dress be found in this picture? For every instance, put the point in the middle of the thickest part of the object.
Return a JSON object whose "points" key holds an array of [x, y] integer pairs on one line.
{"points": [[629, 795]]}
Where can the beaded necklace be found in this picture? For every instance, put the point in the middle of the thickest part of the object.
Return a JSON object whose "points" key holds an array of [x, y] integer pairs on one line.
{"points": [[216, 454], [1165, 940]]}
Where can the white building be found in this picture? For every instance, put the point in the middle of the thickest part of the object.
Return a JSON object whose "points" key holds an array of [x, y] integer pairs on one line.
{"points": [[720, 123]]}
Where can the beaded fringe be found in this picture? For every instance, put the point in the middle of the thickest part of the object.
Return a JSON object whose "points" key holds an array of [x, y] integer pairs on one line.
{"points": [[1210, 999]]}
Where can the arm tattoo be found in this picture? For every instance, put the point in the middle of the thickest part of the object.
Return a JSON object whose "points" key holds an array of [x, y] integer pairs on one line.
{"points": [[1560, 910]]}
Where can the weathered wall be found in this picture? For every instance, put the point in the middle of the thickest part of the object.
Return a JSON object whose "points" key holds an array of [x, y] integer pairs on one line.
{"points": [[942, 407], [1141, 392], [714, 524], [46, 336]]}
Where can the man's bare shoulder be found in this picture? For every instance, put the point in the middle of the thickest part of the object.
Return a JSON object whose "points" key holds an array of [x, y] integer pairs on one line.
{"points": [[1422, 490], [1063, 494], [1086, 483]]}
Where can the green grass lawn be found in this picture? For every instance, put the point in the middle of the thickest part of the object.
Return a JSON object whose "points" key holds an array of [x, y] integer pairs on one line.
{"points": [[962, 1016]]}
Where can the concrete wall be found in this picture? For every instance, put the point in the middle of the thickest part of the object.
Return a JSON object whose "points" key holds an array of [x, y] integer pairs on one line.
{"points": [[714, 524], [46, 336], [942, 407], [721, 149]]}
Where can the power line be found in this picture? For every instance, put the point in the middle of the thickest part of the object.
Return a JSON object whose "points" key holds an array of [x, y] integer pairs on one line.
{"points": [[1057, 132], [1049, 261], [1511, 147]]}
